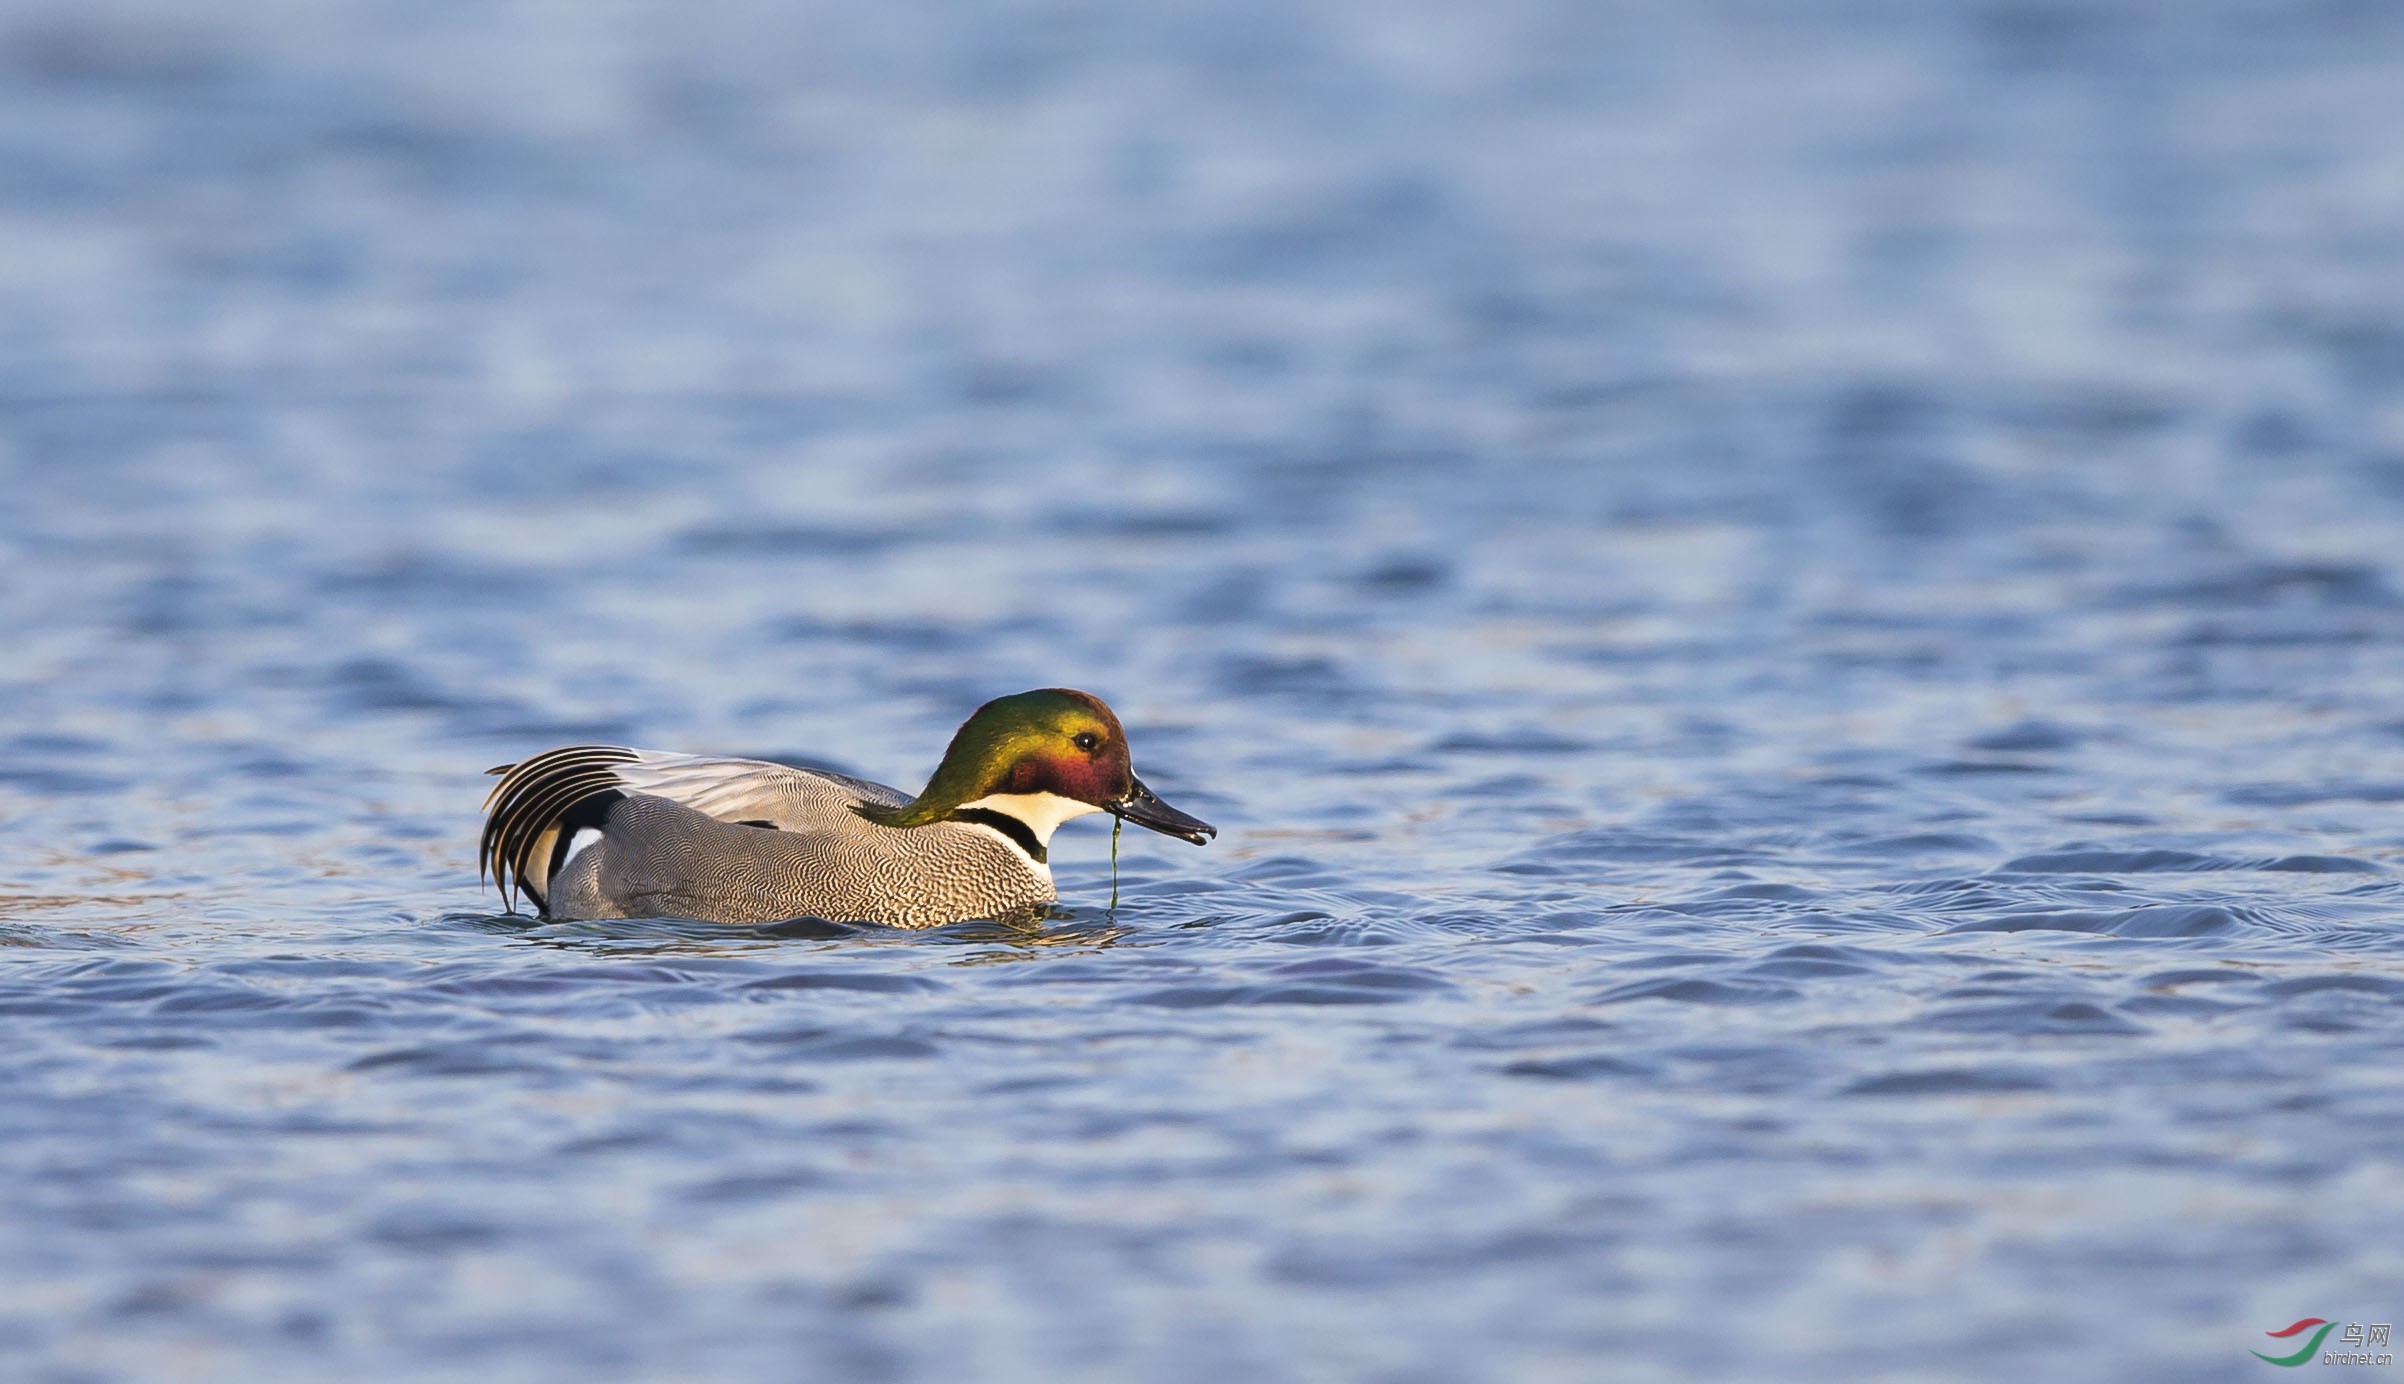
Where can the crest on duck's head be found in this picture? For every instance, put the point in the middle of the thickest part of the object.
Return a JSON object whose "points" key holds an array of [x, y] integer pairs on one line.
{"points": [[1052, 740]]}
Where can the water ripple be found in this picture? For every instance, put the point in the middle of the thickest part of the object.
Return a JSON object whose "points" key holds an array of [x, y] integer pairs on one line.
{"points": [[1809, 771]]}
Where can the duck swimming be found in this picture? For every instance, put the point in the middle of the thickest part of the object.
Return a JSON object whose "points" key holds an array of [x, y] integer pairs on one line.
{"points": [[600, 831]]}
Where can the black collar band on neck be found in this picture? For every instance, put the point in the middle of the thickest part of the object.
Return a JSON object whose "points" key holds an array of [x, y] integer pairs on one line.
{"points": [[1007, 825]]}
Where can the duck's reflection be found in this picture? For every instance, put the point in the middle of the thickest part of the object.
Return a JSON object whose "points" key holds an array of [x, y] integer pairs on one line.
{"points": [[1020, 936]]}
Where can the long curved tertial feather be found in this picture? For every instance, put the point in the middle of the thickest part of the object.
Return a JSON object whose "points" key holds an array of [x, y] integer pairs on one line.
{"points": [[537, 801], [523, 810]]}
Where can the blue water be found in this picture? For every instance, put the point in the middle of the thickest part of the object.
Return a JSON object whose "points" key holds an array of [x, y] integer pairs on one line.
{"points": [[1793, 617]]}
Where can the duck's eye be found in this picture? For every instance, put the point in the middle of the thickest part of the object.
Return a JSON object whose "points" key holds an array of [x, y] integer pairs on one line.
{"points": [[1087, 741]]}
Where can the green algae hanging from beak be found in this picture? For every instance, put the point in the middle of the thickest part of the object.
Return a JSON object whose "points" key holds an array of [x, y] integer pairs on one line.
{"points": [[1116, 822]]}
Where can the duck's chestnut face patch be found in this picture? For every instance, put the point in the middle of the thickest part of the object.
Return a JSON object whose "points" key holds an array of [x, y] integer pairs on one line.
{"points": [[1090, 767]]}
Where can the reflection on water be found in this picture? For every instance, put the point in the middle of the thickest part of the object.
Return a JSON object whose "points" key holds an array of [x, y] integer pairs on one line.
{"points": [[1791, 616], [1000, 939]]}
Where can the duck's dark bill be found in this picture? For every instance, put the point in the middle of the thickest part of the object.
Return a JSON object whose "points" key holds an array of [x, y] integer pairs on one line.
{"points": [[1145, 810]]}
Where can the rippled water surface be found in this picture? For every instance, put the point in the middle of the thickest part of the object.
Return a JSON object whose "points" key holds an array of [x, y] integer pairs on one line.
{"points": [[1793, 617]]}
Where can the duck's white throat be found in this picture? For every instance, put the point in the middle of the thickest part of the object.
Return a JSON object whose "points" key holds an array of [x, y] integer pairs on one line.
{"points": [[1042, 812]]}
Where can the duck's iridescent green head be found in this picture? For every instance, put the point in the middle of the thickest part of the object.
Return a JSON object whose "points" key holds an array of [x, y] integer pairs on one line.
{"points": [[1053, 741]]}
